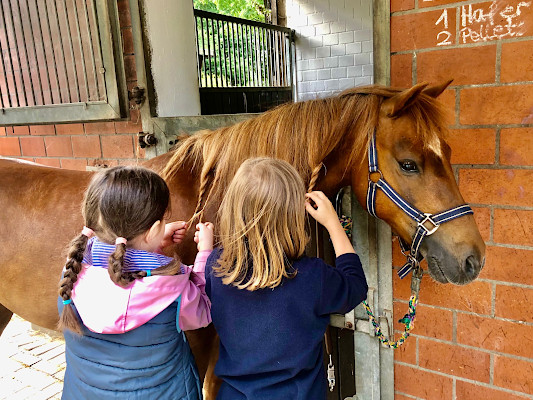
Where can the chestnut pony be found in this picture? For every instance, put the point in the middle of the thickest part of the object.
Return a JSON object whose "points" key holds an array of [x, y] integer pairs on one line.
{"points": [[325, 139]]}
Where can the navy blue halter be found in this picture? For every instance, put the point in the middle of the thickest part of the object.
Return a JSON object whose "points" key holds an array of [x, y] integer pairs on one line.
{"points": [[427, 223]]}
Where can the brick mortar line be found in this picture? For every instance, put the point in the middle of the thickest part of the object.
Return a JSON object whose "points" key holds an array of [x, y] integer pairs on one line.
{"points": [[486, 316], [501, 206], [497, 145], [465, 45], [491, 369], [493, 166], [509, 245], [407, 395], [491, 224], [459, 378], [459, 126]]}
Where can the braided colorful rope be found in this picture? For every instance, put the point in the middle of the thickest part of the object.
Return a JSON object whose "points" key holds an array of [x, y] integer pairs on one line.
{"points": [[407, 320]]}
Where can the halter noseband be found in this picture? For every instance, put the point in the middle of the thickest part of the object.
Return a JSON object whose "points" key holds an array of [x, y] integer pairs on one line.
{"points": [[422, 219]]}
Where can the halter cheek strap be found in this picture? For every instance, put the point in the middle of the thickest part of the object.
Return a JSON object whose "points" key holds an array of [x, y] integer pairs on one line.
{"points": [[427, 223]]}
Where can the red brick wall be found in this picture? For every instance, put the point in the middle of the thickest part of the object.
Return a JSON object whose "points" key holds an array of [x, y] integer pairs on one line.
{"points": [[75, 146], [475, 341]]}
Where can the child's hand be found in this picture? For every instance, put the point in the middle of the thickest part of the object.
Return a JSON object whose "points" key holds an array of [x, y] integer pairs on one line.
{"points": [[322, 210], [324, 213], [204, 236], [174, 233]]}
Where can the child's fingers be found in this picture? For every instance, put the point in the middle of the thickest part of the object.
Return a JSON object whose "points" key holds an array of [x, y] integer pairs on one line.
{"points": [[174, 226]]}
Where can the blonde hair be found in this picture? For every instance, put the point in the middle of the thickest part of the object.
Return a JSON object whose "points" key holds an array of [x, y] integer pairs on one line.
{"points": [[262, 225]]}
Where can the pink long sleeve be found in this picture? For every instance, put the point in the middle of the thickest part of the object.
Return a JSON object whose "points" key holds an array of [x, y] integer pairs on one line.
{"points": [[195, 306]]}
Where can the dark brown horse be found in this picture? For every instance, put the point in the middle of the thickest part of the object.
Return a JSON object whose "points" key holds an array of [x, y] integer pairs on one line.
{"points": [[325, 139]]}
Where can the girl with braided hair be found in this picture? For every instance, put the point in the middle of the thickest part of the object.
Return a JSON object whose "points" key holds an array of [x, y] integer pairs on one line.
{"points": [[123, 304], [271, 303]]}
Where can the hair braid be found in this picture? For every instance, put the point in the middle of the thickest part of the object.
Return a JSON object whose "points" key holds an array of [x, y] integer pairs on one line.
{"points": [[116, 265], [314, 177], [205, 180], [68, 319]]}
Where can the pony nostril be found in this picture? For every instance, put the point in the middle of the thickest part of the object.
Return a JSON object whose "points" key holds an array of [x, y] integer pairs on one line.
{"points": [[472, 267]]}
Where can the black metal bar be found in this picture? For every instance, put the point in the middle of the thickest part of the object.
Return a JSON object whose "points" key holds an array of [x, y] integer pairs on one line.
{"points": [[203, 54], [215, 64], [207, 14], [223, 69], [198, 66], [235, 65], [209, 52], [249, 55], [230, 46], [241, 54], [267, 57], [257, 51], [260, 54], [213, 57], [218, 55]]}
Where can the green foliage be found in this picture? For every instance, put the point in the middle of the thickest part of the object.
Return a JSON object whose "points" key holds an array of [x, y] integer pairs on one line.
{"points": [[248, 9]]}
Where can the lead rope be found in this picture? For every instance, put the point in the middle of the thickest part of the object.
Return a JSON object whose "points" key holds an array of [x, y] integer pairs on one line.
{"points": [[416, 278], [408, 319]]}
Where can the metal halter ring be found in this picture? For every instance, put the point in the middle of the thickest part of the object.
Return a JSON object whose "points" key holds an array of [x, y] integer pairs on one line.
{"points": [[428, 219], [378, 171]]}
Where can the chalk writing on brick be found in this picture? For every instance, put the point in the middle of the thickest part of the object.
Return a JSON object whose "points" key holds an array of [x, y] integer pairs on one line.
{"points": [[443, 37], [498, 21]]}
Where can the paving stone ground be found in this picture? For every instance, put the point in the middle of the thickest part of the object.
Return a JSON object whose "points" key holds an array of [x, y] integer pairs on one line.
{"points": [[32, 363]]}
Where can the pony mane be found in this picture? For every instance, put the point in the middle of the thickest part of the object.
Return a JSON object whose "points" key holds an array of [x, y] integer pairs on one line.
{"points": [[302, 133]]}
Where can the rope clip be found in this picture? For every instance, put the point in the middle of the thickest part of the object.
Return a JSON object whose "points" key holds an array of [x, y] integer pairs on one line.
{"points": [[331, 374], [416, 279]]}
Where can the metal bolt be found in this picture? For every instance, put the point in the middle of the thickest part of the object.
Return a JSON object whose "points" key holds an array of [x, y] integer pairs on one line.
{"points": [[348, 325]]}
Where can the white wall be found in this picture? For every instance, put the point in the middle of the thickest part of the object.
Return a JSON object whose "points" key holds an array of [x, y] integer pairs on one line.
{"points": [[333, 45], [171, 34]]}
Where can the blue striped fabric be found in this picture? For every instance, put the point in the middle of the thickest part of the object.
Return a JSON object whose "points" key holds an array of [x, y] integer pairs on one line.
{"points": [[97, 254]]}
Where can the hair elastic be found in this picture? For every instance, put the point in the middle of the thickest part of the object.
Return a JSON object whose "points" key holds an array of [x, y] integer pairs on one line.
{"points": [[87, 232], [65, 302], [148, 272], [121, 240]]}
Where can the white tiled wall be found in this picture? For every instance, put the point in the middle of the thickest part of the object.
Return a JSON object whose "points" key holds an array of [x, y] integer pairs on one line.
{"points": [[333, 45]]}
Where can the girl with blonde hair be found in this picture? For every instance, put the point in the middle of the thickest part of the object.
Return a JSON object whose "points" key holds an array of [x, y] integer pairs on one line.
{"points": [[123, 304], [271, 303]]}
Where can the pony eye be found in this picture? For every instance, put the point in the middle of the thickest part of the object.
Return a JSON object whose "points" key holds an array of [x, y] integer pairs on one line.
{"points": [[408, 166]]}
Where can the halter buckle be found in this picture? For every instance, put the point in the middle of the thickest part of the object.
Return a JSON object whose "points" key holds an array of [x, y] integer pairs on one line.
{"points": [[428, 219]]}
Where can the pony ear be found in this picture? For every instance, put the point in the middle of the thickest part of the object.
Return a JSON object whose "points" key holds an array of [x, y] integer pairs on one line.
{"points": [[404, 99], [435, 91]]}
